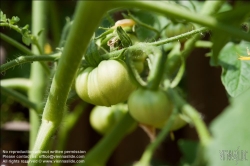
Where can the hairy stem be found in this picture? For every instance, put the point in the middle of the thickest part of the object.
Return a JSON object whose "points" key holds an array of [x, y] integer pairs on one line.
{"points": [[16, 44], [26, 59], [182, 36], [18, 29], [158, 43], [22, 48], [67, 68], [70, 120]]}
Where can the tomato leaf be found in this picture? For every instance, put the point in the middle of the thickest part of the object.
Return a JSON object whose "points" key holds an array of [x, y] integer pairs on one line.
{"points": [[219, 39], [231, 145], [145, 17], [189, 150], [235, 73], [14, 20], [232, 17], [26, 40]]}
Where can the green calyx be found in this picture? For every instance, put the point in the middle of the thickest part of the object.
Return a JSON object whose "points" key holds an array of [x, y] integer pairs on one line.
{"points": [[123, 36], [92, 56]]}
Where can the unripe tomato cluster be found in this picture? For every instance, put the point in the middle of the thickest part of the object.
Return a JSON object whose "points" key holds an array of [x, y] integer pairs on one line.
{"points": [[109, 83]]}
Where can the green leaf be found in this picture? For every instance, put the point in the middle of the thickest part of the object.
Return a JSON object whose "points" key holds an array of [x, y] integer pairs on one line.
{"points": [[40, 32], [235, 73], [92, 56], [189, 150], [25, 30], [14, 20], [219, 40], [143, 33], [125, 39], [2, 17], [231, 134], [26, 40], [234, 17], [26, 27]]}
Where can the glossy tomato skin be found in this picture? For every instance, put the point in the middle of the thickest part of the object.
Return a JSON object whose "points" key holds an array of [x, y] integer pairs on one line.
{"points": [[107, 84], [150, 107]]}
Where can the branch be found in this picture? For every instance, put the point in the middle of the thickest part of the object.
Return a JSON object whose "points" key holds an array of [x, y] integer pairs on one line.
{"points": [[15, 44], [25, 59], [16, 83], [23, 49], [195, 116], [176, 38], [19, 97], [158, 43]]}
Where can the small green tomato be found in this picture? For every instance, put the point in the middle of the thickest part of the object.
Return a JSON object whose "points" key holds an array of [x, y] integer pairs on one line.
{"points": [[149, 107], [103, 119], [178, 123]]}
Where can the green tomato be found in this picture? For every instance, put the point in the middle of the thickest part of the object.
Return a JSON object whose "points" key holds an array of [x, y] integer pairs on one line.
{"points": [[178, 123], [149, 107], [175, 29], [107, 84], [103, 119]]}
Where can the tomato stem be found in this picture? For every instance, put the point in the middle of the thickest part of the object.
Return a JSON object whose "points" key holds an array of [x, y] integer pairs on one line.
{"points": [[156, 73], [19, 97], [131, 68], [16, 44], [26, 59], [158, 43], [67, 68], [148, 153], [194, 115]]}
